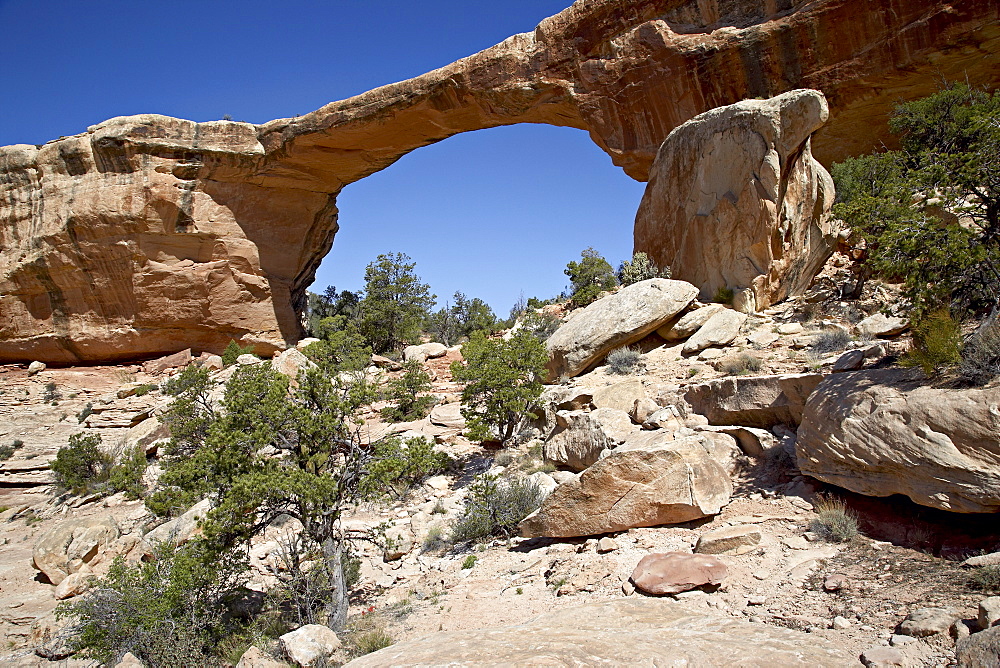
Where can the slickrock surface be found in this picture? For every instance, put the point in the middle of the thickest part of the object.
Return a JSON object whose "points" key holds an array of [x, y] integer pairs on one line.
{"points": [[621, 632], [148, 234]]}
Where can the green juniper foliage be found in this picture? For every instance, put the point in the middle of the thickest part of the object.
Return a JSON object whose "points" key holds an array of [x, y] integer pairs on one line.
{"points": [[640, 268], [82, 466], [233, 351], [454, 322], [503, 380], [167, 611], [590, 276], [272, 452], [395, 303], [929, 214], [495, 506], [408, 394]]}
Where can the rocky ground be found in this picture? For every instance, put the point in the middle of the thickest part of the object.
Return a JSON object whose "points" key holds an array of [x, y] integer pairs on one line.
{"points": [[784, 574]]}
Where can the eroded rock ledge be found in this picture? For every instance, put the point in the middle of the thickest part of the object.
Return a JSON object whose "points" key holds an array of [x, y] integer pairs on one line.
{"points": [[149, 234]]}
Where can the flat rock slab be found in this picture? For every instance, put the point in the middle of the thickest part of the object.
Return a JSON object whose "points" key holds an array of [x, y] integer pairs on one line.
{"points": [[674, 572], [635, 631], [718, 330], [924, 622], [753, 401], [728, 540]]}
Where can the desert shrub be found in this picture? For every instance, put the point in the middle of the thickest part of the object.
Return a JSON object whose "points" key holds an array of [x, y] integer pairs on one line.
{"points": [[81, 466], [434, 540], [404, 464], [830, 340], [623, 361], [743, 363], [166, 611], [834, 522], [145, 389], [724, 295], [7, 451], [51, 393], [366, 633], [503, 380], [937, 342], [981, 355], [985, 579], [504, 458], [367, 642], [233, 351], [541, 325], [405, 394], [469, 562], [126, 475], [85, 413], [494, 507], [590, 276], [640, 268]]}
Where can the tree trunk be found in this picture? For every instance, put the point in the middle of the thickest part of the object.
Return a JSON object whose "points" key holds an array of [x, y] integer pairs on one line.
{"points": [[336, 607]]}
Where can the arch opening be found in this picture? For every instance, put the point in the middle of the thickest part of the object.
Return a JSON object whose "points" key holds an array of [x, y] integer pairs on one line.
{"points": [[494, 213]]}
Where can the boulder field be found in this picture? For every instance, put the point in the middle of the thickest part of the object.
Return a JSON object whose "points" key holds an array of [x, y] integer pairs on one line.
{"points": [[147, 234]]}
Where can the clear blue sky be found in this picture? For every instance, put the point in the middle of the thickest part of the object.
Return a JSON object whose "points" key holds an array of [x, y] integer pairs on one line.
{"points": [[493, 213]]}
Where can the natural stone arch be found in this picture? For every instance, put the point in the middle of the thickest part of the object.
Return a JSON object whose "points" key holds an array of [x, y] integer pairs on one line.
{"points": [[148, 234]]}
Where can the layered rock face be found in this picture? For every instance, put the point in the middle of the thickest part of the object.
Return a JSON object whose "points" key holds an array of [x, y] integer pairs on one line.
{"points": [[880, 433], [149, 234], [736, 200]]}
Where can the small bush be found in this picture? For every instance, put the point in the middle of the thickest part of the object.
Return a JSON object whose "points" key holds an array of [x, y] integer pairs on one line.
{"points": [[504, 458], [469, 562], [937, 342], [540, 325], [640, 268], [126, 476], [724, 295], [405, 394], [7, 451], [405, 464], [233, 351], [494, 507], [743, 363], [434, 540], [835, 522], [51, 393], [82, 466], [623, 361], [85, 413], [370, 641], [163, 611], [830, 341], [985, 579], [145, 389], [981, 355]]}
